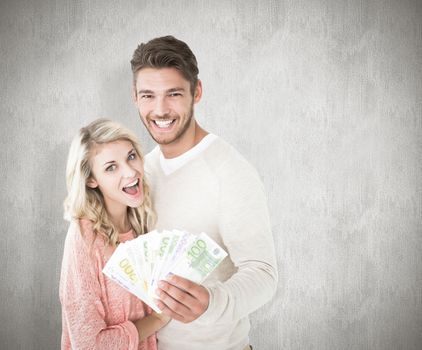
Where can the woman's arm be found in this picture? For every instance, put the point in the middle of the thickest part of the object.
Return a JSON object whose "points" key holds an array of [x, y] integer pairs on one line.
{"points": [[83, 313]]}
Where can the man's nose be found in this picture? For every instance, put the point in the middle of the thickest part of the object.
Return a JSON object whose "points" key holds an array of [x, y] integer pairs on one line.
{"points": [[160, 107]]}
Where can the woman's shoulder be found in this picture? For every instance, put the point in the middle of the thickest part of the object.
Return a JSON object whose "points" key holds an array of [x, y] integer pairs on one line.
{"points": [[81, 232]]}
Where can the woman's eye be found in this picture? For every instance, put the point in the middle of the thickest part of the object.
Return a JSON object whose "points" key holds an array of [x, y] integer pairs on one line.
{"points": [[111, 167], [132, 156]]}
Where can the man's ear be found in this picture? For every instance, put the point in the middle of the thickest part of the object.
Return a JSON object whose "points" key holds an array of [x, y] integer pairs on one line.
{"points": [[92, 183], [198, 92], [134, 94]]}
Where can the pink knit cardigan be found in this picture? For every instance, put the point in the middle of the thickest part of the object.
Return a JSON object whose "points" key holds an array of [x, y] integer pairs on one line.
{"points": [[96, 312]]}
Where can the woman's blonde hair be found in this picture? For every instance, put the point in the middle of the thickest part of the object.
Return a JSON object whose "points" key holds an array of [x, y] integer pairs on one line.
{"points": [[88, 203]]}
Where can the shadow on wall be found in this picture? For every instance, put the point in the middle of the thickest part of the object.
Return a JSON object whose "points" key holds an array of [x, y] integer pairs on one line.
{"points": [[49, 234], [117, 103], [115, 93]]}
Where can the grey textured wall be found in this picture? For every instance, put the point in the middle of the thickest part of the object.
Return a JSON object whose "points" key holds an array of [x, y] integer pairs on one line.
{"points": [[323, 97]]}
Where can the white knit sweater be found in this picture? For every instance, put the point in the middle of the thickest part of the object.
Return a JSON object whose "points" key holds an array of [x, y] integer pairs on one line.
{"points": [[218, 192]]}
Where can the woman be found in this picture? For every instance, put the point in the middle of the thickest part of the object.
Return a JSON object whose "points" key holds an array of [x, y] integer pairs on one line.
{"points": [[108, 202]]}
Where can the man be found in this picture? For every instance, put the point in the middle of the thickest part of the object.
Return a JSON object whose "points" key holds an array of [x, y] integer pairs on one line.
{"points": [[201, 184]]}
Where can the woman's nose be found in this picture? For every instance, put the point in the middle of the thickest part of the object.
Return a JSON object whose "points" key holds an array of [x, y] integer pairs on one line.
{"points": [[128, 171]]}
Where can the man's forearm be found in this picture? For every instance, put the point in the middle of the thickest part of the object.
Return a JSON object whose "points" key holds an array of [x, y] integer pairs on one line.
{"points": [[247, 290]]}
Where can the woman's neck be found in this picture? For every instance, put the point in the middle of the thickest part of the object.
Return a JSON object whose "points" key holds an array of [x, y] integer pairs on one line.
{"points": [[121, 222]]}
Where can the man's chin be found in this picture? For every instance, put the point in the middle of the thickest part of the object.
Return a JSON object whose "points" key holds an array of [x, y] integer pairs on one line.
{"points": [[162, 140]]}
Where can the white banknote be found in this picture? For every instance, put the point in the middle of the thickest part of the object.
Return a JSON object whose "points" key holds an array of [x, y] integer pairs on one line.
{"points": [[137, 265], [121, 269]]}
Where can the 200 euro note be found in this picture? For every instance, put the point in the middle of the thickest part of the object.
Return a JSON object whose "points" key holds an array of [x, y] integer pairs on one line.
{"points": [[200, 258], [121, 270]]}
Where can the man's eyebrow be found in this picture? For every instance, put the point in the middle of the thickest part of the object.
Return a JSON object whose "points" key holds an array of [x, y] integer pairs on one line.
{"points": [[150, 92], [143, 91], [176, 89]]}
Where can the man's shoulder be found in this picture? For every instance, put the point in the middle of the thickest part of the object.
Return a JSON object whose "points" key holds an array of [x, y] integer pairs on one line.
{"points": [[223, 157], [220, 158], [152, 159], [153, 154]]}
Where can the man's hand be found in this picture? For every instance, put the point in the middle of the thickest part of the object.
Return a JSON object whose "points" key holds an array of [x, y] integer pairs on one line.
{"points": [[182, 299]]}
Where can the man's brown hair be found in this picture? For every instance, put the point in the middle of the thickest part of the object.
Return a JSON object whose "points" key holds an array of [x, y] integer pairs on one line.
{"points": [[166, 52]]}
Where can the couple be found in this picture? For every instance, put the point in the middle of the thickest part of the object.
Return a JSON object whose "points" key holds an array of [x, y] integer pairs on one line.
{"points": [[193, 181]]}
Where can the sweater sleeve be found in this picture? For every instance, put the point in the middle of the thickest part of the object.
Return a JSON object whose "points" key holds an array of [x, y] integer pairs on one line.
{"points": [[246, 232], [83, 314]]}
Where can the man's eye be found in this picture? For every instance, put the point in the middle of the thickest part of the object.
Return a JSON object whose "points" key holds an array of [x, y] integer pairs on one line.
{"points": [[145, 97], [175, 94], [111, 167], [132, 156]]}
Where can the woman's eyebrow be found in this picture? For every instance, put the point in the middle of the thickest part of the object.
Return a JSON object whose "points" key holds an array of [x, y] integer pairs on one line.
{"points": [[110, 161]]}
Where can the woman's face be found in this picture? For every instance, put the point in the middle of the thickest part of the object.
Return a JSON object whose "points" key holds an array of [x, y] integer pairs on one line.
{"points": [[117, 172]]}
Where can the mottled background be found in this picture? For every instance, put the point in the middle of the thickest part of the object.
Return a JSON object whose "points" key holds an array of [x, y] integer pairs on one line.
{"points": [[323, 97]]}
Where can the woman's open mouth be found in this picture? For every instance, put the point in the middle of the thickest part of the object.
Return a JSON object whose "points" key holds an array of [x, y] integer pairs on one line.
{"points": [[132, 188]]}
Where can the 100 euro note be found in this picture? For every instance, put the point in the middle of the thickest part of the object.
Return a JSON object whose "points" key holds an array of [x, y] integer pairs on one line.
{"points": [[200, 258]]}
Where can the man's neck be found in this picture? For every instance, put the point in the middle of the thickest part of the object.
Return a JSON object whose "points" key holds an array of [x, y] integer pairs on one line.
{"points": [[188, 140]]}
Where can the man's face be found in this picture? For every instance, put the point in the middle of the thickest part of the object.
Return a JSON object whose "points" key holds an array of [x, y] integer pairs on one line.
{"points": [[165, 103]]}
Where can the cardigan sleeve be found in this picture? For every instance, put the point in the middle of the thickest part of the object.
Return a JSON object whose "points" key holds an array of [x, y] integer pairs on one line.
{"points": [[83, 313]]}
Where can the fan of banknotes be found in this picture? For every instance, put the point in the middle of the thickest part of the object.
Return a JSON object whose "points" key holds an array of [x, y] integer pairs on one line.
{"points": [[137, 265]]}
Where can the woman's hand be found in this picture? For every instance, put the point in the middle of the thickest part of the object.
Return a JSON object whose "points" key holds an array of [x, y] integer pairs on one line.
{"points": [[162, 317], [150, 324]]}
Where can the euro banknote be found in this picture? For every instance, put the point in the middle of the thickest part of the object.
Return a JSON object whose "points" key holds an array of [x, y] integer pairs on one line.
{"points": [[137, 265]]}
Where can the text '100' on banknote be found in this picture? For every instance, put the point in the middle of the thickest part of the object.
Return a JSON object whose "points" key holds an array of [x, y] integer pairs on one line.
{"points": [[137, 265]]}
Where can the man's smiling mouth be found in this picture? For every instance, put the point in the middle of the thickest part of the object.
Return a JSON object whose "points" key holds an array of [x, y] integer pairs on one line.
{"points": [[163, 124]]}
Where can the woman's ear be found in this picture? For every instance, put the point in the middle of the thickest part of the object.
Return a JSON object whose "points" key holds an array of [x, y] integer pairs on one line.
{"points": [[92, 183]]}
